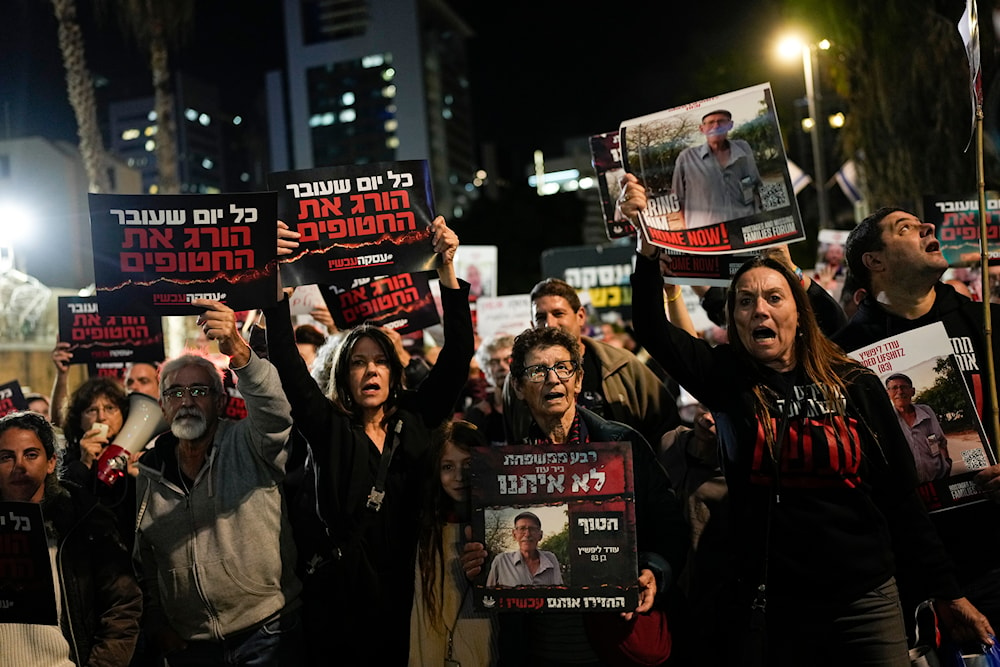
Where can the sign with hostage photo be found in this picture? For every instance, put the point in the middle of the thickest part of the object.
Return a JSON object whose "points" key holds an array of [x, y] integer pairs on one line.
{"points": [[572, 511], [715, 174]]}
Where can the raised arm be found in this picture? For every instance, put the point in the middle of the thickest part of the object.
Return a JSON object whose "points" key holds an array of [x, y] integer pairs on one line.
{"points": [[268, 420]]}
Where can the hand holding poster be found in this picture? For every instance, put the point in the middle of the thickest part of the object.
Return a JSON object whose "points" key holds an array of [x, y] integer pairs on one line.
{"points": [[95, 338], [573, 510], [358, 220], [715, 174], [157, 253], [935, 413]]}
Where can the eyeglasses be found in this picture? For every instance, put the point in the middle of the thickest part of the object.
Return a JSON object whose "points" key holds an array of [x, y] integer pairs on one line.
{"points": [[194, 391], [106, 409], [527, 529], [564, 370]]}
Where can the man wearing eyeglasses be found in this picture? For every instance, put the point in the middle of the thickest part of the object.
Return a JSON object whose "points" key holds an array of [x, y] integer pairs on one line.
{"points": [[718, 180], [529, 565], [214, 545]]}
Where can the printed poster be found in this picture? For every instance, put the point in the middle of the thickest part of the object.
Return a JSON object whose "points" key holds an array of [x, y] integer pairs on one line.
{"points": [[357, 220], [606, 157], [509, 314], [403, 303], [154, 254], [943, 429], [27, 594], [575, 507], [694, 204], [956, 226], [477, 265], [600, 274], [304, 299], [12, 398], [113, 339]]}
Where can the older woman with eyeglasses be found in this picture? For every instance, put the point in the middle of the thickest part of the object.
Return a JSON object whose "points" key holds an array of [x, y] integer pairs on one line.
{"points": [[546, 374]]}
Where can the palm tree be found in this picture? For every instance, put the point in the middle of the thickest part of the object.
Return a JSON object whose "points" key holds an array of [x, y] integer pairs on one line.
{"points": [[156, 25], [80, 87]]}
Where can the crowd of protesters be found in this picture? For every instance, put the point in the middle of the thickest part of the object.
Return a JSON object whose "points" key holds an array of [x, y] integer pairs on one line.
{"points": [[777, 523]]}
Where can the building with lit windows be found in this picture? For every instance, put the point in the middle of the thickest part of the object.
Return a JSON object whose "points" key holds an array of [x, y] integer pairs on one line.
{"points": [[201, 130], [375, 81]]}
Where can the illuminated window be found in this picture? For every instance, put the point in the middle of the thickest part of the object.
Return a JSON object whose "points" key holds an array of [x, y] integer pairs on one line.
{"points": [[347, 98], [348, 116], [191, 114], [389, 91], [130, 134]]}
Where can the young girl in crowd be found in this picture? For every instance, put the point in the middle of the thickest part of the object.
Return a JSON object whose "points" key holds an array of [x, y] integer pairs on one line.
{"points": [[444, 625]]}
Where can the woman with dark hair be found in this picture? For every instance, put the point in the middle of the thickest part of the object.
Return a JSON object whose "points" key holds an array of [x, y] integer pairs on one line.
{"points": [[97, 410], [369, 439], [444, 625], [822, 486]]}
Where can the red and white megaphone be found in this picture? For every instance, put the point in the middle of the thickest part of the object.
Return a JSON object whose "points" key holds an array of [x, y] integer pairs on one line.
{"points": [[145, 419]]}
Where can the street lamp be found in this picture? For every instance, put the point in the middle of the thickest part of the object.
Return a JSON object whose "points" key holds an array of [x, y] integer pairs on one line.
{"points": [[789, 48], [15, 221]]}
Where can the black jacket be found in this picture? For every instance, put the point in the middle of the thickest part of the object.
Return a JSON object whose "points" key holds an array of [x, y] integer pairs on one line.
{"points": [[101, 601], [963, 320]]}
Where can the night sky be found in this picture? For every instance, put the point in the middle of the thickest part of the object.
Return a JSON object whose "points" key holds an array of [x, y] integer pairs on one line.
{"points": [[539, 74]]}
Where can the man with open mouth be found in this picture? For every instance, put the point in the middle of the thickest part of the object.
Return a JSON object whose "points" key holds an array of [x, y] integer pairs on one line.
{"points": [[897, 258]]}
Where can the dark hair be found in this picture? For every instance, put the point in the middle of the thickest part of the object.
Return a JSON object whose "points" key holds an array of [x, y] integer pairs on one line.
{"points": [[34, 422], [437, 506], [528, 515], [307, 334], [36, 396], [866, 237], [340, 384], [899, 376], [531, 339], [556, 287], [86, 394], [818, 357]]}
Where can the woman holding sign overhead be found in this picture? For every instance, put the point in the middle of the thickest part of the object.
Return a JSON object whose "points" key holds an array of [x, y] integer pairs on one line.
{"points": [[369, 439], [821, 481]]}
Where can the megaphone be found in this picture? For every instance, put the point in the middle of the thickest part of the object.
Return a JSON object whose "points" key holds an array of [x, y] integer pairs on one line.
{"points": [[145, 419]]}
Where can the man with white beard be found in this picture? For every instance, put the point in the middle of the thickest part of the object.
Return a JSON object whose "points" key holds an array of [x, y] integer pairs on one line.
{"points": [[214, 550]]}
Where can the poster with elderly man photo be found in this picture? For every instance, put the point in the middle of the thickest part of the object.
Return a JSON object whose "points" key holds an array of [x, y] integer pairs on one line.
{"points": [[936, 413], [715, 174]]}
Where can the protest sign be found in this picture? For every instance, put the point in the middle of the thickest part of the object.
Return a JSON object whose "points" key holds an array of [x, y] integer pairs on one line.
{"points": [[599, 273], [606, 157], [935, 412], [27, 593], [510, 314], [477, 265], [157, 253], [402, 302], [12, 398], [694, 204], [583, 499], [304, 299], [357, 220], [956, 226], [108, 339]]}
